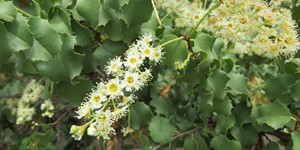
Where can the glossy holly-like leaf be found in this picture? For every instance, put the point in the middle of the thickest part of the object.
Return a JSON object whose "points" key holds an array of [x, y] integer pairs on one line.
{"points": [[175, 52], [134, 7], [84, 36], [222, 106], [224, 123], [275, 115], [73, 93], [162, 105], [108, 50], [93, 12], [246, 134], [68, 62], [220, 141], [238, 84], [18, 33], [7, 11], [278, 86], [116, 4], [296, 139], [295, 91], [60, 21], [139, 115], [5, 48], [218, 82], [47, 42], [195, 142], [161, 130]]}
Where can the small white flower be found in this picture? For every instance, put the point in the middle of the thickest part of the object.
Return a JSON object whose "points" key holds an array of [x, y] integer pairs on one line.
{"points": [[132, 81], [114, 88], [126, 131], [114, 65], [146, 76], [126, 101], [84, 110], [133, 60], [78, 131], [118, 113], [157, 55], [147, 51], [97, 99]]}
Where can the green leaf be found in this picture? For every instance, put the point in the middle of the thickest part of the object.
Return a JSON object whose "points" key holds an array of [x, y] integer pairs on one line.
{"points": [[195, 142], [116, 4], [224, 123], [278, 86], [134, 7], [276, 115], [67, 62], [246, 134], [74, 93], [150, 26], [8, 11], [161, 130], [47, 41], [222, 106], [93, 12], [174, 52], [39, 140], [295, 91], [296, 139], [107, 51], [203, 42], [5, 48], [139, 114], [61, 21], [218, 82], [162, 105], [84, 36], [220, 142], [18, 33], [238, 84]]}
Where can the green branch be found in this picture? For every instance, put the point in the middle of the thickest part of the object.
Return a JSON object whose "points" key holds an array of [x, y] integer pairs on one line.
{"points": [[171, 41]]}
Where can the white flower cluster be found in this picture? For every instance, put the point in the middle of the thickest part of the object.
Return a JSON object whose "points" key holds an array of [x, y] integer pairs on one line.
{"points": [[110, 100], [30, 95], [48, 108], [253, 26], [24, 107]]}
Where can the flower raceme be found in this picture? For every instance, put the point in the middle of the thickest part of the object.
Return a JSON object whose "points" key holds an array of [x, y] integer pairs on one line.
{"points": [[253, 26], [109, 101]]}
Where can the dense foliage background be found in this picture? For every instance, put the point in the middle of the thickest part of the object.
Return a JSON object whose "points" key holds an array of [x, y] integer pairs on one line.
{"points": [[201, 95]]}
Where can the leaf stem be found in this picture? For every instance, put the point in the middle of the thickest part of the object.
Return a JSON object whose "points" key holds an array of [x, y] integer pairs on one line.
{"points": [[178, 136], [171, 41], [156, 12], [162, 20], [202, 19], [23, 12]]}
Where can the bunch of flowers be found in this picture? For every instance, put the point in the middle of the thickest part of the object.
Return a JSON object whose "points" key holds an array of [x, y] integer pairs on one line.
{"points": [[24, 108], [110, 100], [253, 27]]}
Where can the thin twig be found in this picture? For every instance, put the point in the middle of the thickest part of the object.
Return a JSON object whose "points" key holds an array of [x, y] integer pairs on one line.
{"points": [[178, 136], [156, 12]]}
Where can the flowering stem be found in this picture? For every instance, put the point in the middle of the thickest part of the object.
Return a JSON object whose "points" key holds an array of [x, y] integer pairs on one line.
{"points": [[202, 19], [114, 104], [171, 41], [156, 12], [162, 20]]}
